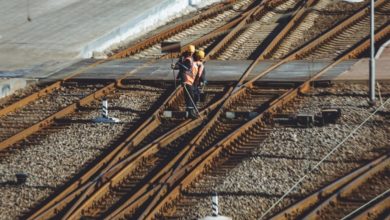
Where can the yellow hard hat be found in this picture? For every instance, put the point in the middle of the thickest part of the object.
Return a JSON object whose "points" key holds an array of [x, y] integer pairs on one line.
{"points": [[200, 54], [191, 48]]}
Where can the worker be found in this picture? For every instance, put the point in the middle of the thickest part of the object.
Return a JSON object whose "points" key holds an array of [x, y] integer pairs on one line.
{"points": [[189, 52], [200, 79], [187, 74]]}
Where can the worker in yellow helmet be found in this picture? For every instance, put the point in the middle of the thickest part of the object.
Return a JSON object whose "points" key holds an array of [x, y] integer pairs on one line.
{"points": [[200, 79], [184, 62], [187, 74]]}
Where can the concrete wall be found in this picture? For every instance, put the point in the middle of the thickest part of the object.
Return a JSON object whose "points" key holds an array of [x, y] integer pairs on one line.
{"points": [[9, 86], [160, 14]]}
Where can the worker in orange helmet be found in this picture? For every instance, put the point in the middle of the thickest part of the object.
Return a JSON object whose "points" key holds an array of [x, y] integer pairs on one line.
{"points": [[200, 79], [187, 73]]}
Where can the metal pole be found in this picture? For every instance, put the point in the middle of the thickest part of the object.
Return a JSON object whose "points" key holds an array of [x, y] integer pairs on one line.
{"points": [[173, 72], [214, 204], [105, 108], [372, 58]]}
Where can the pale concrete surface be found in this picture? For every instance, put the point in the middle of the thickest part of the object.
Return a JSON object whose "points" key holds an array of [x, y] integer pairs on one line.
{"points": [[8, 86], [360, 71], [216, 70], [62, 31]]}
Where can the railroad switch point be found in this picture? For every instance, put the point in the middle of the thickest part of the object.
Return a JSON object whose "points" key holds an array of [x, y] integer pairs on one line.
{"points": [[21, 178], [305, 120], [234, 115]]}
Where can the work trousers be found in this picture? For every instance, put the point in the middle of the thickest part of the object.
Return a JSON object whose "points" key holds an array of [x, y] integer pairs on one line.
{"points": [[196, 92], [188, 95]]}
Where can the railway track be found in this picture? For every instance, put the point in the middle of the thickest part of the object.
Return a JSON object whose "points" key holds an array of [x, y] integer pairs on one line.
{"points": [[222, 127], [351, 35], [29, 115], [197, 31], [168, 193], [321, 16], [341, 197], [77, 209], [253, 36], [159, 137]]}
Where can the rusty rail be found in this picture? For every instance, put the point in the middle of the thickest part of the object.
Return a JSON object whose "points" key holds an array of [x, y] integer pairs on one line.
{"points": [[379, 207], [110, 162], [77, 207], [286, 29], [184, 155], [168, 33], [183, 177], [247, 18], [316, 197], [349, 187]]}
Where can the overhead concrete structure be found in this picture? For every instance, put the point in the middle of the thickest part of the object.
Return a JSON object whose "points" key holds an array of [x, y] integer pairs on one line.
{"points": [[62, 31], [217, 70]]}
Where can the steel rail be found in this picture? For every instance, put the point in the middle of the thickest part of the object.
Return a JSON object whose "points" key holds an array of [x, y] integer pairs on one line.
{"points": [[193, 143], [193, 169], [380, 206], [134, 138], [281, 100], [143, 44], [316, 197], [117, 156], [67, 110], [76, 210], [348, 188], [73, 187], [235, 31], [186, 150], [296, 16], [77, 207], [168, 33], [116, 171], [284, 99]]}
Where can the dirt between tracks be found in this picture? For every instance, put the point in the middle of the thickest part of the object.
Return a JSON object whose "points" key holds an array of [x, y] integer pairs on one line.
{"points": [[249, 189]]}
